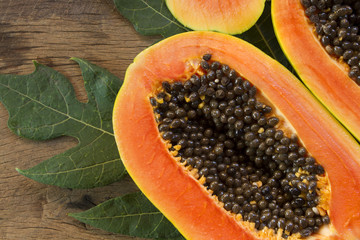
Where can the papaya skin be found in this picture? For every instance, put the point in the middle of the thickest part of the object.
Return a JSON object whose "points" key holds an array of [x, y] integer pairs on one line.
{"points": [[326, 77], [226, 16], [170, 187]]}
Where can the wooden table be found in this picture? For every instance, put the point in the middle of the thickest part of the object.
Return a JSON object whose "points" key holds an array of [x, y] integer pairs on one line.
{"points": [[51, 32]]}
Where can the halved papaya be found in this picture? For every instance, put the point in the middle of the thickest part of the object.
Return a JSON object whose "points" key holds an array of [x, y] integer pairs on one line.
{"points": [[187, 195], [227, 16], [326, 77]]}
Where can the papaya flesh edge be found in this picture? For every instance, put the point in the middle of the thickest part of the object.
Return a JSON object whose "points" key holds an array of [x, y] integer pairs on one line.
{"points": [[175, 192], [226, 16], [326, 77]]}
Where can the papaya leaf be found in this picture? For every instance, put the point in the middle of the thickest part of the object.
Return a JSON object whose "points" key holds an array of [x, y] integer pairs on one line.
{"points": [[132, 214], [150, 17], [42, 105]]}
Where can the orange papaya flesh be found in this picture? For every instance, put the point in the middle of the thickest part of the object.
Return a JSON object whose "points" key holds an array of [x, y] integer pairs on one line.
{"points": [[175, 191], [326, 77], [190, 98], [227, 16]]}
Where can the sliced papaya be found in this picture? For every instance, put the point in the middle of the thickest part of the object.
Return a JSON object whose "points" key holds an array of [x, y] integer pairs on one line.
{"points": [[326, 75], [228, 144], [227, 16]]}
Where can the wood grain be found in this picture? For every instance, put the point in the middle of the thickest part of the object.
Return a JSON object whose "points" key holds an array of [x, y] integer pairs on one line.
{"points": [[51, 32]]}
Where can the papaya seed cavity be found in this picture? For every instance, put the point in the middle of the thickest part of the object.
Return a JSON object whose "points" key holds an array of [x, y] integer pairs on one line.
{"points": [[217, 124]]}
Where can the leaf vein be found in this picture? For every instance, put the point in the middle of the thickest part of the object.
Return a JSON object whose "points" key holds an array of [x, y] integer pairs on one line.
{"points": [[120, 216], [162, 15], [59, 112], [76, 169]]}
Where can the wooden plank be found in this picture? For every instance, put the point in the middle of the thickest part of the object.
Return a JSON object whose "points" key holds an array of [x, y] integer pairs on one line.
{"points": [[51, 32]]}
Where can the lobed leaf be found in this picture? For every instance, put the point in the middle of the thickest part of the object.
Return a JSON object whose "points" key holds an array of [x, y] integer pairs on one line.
{"points": [[133, 215], [42, 105]]}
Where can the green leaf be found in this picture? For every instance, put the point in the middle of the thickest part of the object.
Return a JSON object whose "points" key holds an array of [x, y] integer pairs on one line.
{"points": [[42, 105], [132, 215], [150, 17], [262, 35]]}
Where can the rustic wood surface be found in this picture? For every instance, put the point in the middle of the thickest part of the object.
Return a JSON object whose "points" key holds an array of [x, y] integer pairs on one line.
{"points": [[51, 32]]}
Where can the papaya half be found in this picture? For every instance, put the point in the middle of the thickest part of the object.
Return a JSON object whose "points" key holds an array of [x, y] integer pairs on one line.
{"points": [[326, 75], [228, 144], [227, 16]]}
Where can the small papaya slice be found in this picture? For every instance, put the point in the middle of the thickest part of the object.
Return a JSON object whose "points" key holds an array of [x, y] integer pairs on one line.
{"points": [[219, 161], [327, 77], [226, 16]]}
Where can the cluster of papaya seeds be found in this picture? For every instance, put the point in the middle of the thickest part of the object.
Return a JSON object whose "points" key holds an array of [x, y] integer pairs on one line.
{"points": [[216, 124], [337, 25], [228, 144], [322, 41]]}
